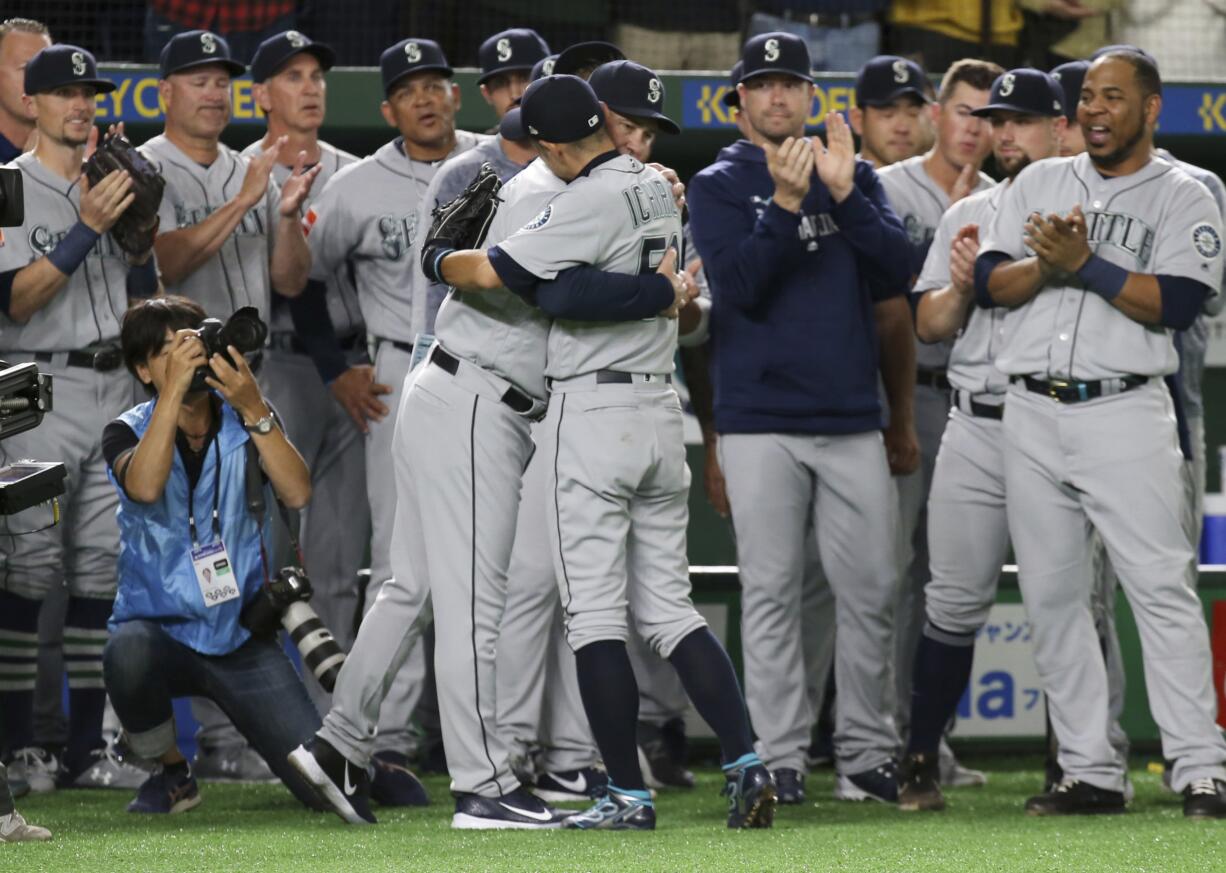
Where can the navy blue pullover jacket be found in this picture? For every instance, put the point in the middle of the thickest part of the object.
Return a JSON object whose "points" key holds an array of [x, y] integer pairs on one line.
{"points": [[794, 343]]}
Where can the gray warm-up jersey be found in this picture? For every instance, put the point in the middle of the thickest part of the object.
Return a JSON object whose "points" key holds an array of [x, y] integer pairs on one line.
{"points": [[497, 330], [342, 295], [620, 217], [974, 349], [1158, 220], [367, 215], [237, 275], [1194, 340], [89, 307], [452, 178], [920, 202]]}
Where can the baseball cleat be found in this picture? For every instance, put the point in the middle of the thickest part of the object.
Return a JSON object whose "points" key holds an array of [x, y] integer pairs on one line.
{"points": [[15, 829], [342, 785], [1205, 798], [617, 811], [1074, 797], [568, 786], [394, 784], [789, 786], [36, 767], [750, 790], [918, 784], [519, 810], [167, 793], [662, 754], [880, 784], [954, 775]]}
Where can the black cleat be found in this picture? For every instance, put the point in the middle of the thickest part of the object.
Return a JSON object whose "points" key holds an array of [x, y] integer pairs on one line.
{"points": [[751, 796], [394, 784], [919, 785], [616, 811], [662, 754], [1205, 798], [341, 784], [880, 784], [1074, 797], [789, 786], [520, 810]]}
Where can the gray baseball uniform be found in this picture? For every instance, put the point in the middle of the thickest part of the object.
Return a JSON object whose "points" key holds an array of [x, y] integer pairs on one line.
{"points": [[920, 202], [1066, 463], [336, 526], [460, 451]]}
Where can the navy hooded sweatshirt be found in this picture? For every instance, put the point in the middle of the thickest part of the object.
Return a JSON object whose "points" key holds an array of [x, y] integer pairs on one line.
{"points": [[794, 343]]}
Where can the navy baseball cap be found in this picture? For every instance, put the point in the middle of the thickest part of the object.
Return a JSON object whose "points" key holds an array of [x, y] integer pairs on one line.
{"points": [[543, 68], [1025, 90], [582, 55], [885, 78], [1070, 76], [411, 56], [60, 65], [731, 98], [196, 48], [631, 89], [782, 53], [561, 109], [512, 126], [519, 48], [275, 51]]}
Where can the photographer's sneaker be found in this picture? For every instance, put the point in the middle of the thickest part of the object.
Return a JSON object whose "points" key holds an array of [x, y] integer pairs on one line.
{"points": [[15, 829], [569, 786], [880, 784], [237, 764], [37, 767], [104, 768], [1205, 798], [617, 811], [341, 784], [751, 793], [394, 784], [168, 791], [520, 810]]}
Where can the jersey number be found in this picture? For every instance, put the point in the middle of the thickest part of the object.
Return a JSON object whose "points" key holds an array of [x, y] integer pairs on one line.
{"points": [[651, 252]]}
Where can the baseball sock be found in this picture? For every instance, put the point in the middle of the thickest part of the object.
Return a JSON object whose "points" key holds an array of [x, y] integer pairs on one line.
{"points": [[18, 667], [84, 639], [611, 701], [942, 669], [710, 683]]}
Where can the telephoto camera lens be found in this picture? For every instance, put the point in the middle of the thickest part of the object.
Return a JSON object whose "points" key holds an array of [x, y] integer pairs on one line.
{"points": [[321, 654]]}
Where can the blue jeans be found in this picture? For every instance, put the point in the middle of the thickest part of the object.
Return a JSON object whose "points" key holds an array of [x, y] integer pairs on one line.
{"points": [[255, 685], [831, 49]]}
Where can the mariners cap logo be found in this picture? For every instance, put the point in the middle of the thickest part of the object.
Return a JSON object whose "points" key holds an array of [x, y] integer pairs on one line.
{"points": [[547, 67], [1056, 74], [296, 39], [504, 50], [772, 50], [412, 52], [902, 74], [1006, 84], [78, 64], [654, 91], [1207, 241], [208, 43]]}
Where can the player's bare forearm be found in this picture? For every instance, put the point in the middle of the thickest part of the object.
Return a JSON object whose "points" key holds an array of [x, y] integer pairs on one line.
{"points": [[290, 265], [1013, 283], [469, 270], [34, 287], [1141, 298], [181, 252], [896, 337], [942, 313], [148, 465]]}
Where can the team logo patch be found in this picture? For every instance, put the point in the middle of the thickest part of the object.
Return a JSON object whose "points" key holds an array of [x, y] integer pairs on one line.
{"points": [[1006, 84], [547, 67], [772, 51], [504, 50], [78, 64], [593, 121], [902, 75], [1207, 241], [208, 43], [541, 220], [296, 39], [412, 52], [655, 90], [308, 221]]}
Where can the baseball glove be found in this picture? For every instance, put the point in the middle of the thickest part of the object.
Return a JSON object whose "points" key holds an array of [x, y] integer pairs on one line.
{"points": [[463, 222], [137, 226]]}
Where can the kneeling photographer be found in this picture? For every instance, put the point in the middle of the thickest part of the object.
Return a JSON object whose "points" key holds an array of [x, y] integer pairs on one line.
{"points": [[192, 550]]}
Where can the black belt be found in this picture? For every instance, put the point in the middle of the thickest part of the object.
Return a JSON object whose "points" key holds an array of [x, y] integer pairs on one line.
{"points": [[616, 377], [101, 359], [932, 379], [519, 402], [407, 348], [289, 342], [980, 410], [1077, 392], [826, 19]]}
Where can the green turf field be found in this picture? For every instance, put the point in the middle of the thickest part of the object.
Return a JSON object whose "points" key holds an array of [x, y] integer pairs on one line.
{"points": [[258, 828]]}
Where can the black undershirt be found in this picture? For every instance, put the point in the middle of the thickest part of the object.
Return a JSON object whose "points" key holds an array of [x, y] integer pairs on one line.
{"points": [[118, 437]]}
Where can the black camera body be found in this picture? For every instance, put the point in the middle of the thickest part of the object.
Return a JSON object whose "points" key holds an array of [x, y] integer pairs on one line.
{"points": [[282, 603], [244, 330]]}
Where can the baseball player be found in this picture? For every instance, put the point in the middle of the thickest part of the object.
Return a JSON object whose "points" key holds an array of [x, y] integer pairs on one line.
{"points": [[891, 100], [968, 532], [1094, 293], [228, 237], [288, 70], [1070, 76], [920, 189], [64, 285], [20, 40], [761, 220]]}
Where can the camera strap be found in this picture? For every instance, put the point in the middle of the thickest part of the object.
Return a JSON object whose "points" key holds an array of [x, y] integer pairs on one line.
{"points": [[257, 505], [191, 496]]}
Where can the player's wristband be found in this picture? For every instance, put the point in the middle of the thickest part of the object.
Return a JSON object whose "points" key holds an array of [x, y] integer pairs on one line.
{"points": [[143, 279], [73, 248], [1103, 277], [432, 260]]}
